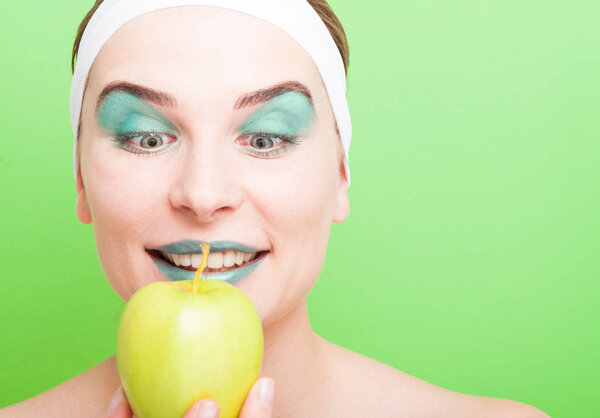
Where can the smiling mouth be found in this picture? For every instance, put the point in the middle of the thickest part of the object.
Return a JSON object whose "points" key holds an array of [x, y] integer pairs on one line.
{"points": [[218, 262]]}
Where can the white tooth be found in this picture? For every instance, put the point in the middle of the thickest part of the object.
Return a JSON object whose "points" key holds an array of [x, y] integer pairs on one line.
{"points": [[229, 258], [176, 259], [215, 261], [185, 261], [196, 260], [239, 258], [247, 256], [169, 256]]}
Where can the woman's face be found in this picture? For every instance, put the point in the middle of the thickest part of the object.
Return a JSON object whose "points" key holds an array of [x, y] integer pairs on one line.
{"points": [[262, 175]]}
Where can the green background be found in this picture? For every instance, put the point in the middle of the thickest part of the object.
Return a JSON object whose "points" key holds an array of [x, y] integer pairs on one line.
{"points": [[471, 256]]}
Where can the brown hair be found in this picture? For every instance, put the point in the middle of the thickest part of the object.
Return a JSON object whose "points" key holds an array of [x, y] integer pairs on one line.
{"points": [[323, 9]]}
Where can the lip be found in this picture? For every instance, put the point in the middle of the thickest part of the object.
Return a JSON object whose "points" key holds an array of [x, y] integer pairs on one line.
{"points": [[194, 247], [190, 246]]}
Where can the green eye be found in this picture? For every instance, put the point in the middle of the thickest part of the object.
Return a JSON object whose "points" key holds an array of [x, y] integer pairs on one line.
{"points": [[261, 142], [265, 145], [150, 142], [145, 142]]}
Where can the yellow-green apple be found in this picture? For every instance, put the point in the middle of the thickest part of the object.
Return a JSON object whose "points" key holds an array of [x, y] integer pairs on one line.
{"points": [[179, 342]]}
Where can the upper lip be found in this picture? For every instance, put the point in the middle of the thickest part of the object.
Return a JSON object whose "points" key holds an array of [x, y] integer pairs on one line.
{"points": [[194, 247]]}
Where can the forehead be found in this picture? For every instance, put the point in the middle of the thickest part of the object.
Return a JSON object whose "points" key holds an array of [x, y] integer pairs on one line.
{"points": [[203, 53]]}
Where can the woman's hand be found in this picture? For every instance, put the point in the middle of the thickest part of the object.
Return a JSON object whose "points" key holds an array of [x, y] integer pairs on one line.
{"points": [[258, 404]]}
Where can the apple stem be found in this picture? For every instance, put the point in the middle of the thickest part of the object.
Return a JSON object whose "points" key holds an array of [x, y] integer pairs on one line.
{"points": [[205, 251]]}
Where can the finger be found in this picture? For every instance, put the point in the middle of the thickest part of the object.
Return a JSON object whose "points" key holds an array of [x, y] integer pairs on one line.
{"points": [[118, 406], [259, 402], [204, 408]]}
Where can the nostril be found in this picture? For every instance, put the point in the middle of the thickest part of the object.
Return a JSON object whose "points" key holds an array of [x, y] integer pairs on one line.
{"points": [[203, 203]]}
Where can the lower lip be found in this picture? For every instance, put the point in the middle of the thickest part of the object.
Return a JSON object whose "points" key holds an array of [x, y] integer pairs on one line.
{"points": [[232, 276]]}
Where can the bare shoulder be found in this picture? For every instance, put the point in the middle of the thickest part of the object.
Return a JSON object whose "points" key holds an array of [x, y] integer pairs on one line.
{"points": [[86, 394], [500, 408], [463, 405], [367, 387]]}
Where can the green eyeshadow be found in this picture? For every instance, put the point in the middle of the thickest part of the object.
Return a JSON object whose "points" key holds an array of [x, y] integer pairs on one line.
{"points": [[288, 113], [122, 113]]}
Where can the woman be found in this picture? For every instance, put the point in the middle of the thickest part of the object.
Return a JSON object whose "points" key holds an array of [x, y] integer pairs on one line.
{"points": [[202, 123]]}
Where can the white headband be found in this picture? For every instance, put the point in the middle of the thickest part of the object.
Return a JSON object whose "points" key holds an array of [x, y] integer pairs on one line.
{"points": [[295, 17]]}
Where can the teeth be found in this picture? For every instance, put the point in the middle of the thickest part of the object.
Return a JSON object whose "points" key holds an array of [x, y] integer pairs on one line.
{"points": [[196, 260], [239, 258], [215, 260], [229, 259], [185, 260]]}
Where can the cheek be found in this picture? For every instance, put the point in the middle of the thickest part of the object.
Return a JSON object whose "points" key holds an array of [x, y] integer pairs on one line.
{"points": [[296, 203], [117, 199], [123, 204], [295, 196], [297, 217], [122, 188]]}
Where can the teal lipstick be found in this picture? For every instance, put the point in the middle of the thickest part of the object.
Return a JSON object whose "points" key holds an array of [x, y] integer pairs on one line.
{"points": [[170, 268], [232, 277]]}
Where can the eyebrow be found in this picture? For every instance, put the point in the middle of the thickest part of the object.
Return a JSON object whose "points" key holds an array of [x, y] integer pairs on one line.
{"points": [[263, 95], [166, 100]]}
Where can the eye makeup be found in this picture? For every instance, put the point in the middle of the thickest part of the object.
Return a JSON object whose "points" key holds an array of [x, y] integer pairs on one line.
{"points": [[278, 123], [287, 114], [123, 113]]}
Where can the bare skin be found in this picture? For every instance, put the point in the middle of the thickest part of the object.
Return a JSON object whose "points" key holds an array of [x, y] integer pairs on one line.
{"points": [[204, 187], [329, 381]]}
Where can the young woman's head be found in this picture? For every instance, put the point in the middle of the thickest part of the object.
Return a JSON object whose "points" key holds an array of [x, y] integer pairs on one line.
{"points": [[198, 124]]}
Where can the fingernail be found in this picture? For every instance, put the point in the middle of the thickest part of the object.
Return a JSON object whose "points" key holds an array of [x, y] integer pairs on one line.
{"points": [[208, 410], [266, 393], [115, 401]]}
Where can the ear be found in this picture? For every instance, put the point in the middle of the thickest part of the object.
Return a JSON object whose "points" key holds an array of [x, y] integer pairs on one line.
{"points": [[82, 208], [342, 203]]}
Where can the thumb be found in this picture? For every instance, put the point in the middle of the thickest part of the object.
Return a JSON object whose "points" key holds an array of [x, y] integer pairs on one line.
{"points": [[118, 407], [259, 402], [204, 408]]}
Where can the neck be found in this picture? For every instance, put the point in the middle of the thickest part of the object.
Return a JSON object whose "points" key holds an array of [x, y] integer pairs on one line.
{"points": [[294, 358]]}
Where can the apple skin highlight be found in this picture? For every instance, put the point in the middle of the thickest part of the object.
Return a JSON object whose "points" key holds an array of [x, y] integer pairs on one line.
{"points": [[176, 346]]}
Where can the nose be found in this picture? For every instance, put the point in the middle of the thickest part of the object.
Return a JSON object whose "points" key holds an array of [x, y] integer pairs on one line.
{"points": [[206, 186]]}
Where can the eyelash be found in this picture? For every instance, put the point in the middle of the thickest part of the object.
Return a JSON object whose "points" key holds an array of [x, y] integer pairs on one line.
{"points": [[124, 141], [286, 140]]}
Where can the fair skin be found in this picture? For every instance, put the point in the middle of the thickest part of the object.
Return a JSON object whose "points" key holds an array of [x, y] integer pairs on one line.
{"points": [[206, 186]]}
